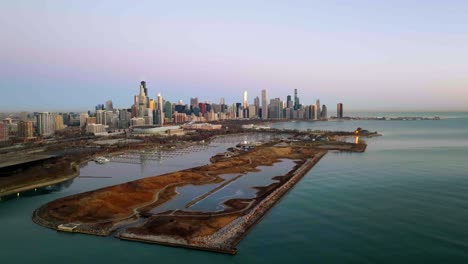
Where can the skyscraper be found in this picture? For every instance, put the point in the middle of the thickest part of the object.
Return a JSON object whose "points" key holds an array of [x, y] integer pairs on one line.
{"points": [[193, 102], [289, 102], [264, 104], [296, 100], [101, 117], [339, 110], [109, 105], [317, 109], [45, 124], [168, 110], [257, 106], [245, 102], [324, 114], [159, 110]]}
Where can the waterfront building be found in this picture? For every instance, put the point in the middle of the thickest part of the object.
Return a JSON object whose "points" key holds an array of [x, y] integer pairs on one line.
{"points": [[324, 114], [25, 129], [264, 104], [317, 110], [339, 110], [83, 117], [275, 109]]}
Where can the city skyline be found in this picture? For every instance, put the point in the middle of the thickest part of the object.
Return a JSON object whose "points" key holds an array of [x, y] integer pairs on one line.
{"points": [[373, 56]]}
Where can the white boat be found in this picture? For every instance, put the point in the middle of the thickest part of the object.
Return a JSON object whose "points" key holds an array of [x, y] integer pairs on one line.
{"points": [[101, 160]]}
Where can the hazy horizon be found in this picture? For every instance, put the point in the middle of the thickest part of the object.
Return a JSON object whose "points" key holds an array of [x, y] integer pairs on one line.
{"points": [[395, 56]]}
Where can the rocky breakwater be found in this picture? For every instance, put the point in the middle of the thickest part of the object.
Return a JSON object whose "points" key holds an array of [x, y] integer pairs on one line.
{"points": [[230, 235]]}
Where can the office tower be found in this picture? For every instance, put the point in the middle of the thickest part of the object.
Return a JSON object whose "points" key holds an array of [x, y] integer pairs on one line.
{"points": [[101, 117], [152, 104], [296, 100], [264, 104], [145, 90], [245, 102], [124, 118], [317, 109], [58, 122], [83, 117], [339, 110], [45, 124], [289, 102], [193, 102], [312, 112], [25, 129], [275, 109], [238, 110], [168, 110], [202, 107], [142, 99], [3, 132], [252, 111], [324, 113], [109, 105], [99, 107], [159, 110], [221, 101]]}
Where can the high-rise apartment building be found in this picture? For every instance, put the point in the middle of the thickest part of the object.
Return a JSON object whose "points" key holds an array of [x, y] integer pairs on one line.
{"points": [[25, 129], [264, 104], [339, 110], [58, 122], [45, 124]]}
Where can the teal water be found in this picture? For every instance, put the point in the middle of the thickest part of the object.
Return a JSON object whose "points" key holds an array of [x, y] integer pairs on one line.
{"points": [[405, 200]]}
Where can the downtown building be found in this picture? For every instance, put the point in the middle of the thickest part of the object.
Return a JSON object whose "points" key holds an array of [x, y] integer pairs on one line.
{"points": [[45, 124]]}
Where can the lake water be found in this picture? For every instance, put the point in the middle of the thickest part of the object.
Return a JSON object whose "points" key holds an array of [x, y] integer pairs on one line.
{"points": [[405, 200]]}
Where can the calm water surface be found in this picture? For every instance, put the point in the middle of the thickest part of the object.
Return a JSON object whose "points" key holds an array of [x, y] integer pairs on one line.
{"points": [[405, 200]]}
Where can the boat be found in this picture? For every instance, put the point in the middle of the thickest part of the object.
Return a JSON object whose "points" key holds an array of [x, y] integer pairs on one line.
{"points": [[101, 160]]}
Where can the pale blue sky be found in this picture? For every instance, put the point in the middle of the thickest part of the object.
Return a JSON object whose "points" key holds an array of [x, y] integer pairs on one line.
{"points": [[379, 55]]}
